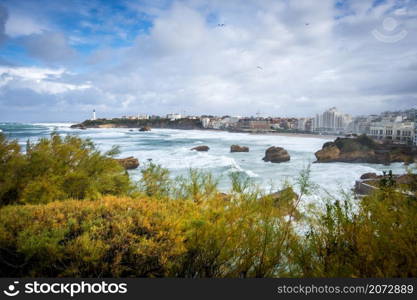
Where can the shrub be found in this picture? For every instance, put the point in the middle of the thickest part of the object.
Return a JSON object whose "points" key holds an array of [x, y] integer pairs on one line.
{"points": [[117, 237], [378, 238], [57, 169]]}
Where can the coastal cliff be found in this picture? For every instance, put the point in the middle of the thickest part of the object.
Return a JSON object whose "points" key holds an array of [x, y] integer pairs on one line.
{"points": [[363, 149], [149, 123]]}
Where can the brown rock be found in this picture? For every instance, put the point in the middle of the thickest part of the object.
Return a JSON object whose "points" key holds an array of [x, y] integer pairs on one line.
{"points": [[201, 148], [364, 149], [237, 148], [129, 163], [369, 176], [408, 179], [276, 155], [145, 128], [328, 153]]}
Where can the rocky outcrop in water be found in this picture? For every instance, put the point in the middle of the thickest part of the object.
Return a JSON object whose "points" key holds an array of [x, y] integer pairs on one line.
{"points": [[237, 148], [364, 149], [129, 163], [145, 128], [276, 155], [201, 148]]}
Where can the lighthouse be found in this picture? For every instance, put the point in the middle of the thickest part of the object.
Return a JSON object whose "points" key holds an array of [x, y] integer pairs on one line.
{"points": [[94, 115]]}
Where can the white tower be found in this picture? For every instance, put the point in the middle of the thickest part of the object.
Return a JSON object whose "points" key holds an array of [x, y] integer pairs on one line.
{"points": [[94, 115]]}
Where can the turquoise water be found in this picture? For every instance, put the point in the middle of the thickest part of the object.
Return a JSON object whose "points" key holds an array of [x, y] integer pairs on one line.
{"points": [[171, 149]]}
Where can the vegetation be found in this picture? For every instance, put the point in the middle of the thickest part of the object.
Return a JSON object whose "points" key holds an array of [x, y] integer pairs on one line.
{"points": [[157, 122], [360, 143], [185, 227], [58, 169]]}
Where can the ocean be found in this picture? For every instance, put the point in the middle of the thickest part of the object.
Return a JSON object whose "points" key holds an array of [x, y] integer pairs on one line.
{"points": [[171, 149]]}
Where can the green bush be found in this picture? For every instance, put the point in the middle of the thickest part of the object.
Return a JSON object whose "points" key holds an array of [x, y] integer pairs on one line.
{"points": [[57, 169], [115, 237], [375, 237]]}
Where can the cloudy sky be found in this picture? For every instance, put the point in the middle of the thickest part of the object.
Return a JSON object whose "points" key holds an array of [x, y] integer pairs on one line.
{"points": [[61, 59]]}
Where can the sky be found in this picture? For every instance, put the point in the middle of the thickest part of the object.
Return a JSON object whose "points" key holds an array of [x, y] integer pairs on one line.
{"points": [[59, 60]]}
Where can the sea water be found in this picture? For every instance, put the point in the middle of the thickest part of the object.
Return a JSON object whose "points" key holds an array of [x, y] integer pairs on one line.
{"points": [[171, 149]]}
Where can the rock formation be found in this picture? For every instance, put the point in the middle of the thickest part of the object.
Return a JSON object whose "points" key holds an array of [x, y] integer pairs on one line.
{"points": [[145, 128], [276, 155], [201, 148], [129, 163], [364, 149], [369, 176], [237, 148], [370, 182]]}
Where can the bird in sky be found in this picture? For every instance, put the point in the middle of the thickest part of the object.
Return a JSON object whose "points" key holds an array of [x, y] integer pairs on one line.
{"points": [[307, 24], [260, 68], [221, 25]]}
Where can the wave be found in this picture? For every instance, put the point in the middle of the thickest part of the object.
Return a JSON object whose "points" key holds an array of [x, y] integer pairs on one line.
{"points": [[171, 149]]}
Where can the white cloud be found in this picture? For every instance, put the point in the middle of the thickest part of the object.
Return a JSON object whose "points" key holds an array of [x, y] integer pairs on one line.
{"points": [[39, 80], [21, 25], [278, 57]]}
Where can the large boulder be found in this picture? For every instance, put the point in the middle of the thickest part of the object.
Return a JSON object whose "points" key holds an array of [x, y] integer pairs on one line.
{"points": [[129, 163], [237, 148], [364, 149], [276, 155], [145, 128], [201, 148]]}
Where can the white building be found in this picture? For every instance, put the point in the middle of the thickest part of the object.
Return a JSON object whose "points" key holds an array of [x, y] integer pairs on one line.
{"points": [[229, 121], [205, 122], [94, 115], [331, 121], [174, 117], [395, 130], [301, 124]]}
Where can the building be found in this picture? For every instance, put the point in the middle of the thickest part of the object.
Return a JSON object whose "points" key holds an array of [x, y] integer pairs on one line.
{"points": [[94, 115], [362, 124], [142, 117], [304, 124], [394, 130], [254, 124], [205, 122], [174, 117], [331, 121]]}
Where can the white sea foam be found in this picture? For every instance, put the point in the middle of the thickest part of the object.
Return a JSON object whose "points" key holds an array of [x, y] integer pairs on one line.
{"points": [[171, 149]]}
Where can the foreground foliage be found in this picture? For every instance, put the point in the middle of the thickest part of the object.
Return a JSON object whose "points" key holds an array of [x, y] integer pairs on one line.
{"points": [[185, 227], [56, 169]]}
